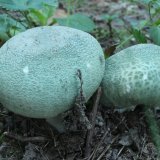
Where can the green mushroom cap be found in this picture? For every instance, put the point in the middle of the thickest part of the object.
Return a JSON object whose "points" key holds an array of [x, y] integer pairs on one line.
{"points": [[38, 70], [132, 77]]}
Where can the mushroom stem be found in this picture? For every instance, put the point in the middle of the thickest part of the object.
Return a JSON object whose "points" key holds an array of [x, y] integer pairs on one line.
{"points": [[57, 123]]}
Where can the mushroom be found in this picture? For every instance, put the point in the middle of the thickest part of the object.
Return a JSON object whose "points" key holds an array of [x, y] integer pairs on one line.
{"points": [[132, 77], [38, 70]]}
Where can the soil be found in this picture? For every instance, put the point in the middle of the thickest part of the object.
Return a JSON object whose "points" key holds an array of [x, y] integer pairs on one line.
{"points": [[113, 134]]}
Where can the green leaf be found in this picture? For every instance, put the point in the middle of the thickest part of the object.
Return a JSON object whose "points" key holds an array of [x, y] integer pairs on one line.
{"points": [[23, 5], [39, 4], [37, 16], [139, 36], [145, 1], [107, 17], [6, 22], [157, 22], [3, 35], [41, 17], [9, 27], [48, 11], [3, 27], [138, 24], [155, 34], [78, 21]]}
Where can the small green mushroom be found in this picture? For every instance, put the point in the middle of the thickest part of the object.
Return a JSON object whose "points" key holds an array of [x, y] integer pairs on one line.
{"points": [[132, 77], [38, 70]]}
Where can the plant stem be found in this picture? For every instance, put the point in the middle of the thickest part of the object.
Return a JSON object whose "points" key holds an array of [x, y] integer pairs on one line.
{"points": [[18, 20], [153, 127], [124, 42], [149, 11], [30, 24], [68, 10]]}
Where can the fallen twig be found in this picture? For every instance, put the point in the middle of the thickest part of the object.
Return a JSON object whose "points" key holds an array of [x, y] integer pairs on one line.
{"points": [[99, 144], [92, 120], [25, 139], [92, 156], [107, 148]]}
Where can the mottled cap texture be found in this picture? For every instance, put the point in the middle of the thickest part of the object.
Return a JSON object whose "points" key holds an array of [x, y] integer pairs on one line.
{"points": [[132, 77], [38, 70]]}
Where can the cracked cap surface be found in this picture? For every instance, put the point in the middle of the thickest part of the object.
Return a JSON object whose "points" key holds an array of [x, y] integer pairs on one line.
{"points": [[132, 77]]}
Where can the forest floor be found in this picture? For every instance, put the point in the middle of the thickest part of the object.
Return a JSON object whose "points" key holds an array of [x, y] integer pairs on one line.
{"points": [[114, 135]]}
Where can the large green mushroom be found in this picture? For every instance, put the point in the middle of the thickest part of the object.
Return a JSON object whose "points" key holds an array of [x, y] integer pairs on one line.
{"points": [[132, 77], [38, 70]]}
